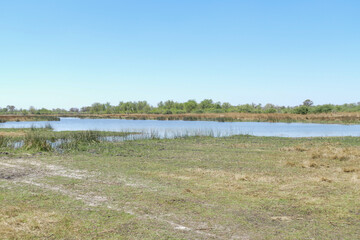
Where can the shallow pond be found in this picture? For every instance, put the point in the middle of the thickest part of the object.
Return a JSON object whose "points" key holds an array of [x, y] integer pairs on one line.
{"points": [[184, 128]]}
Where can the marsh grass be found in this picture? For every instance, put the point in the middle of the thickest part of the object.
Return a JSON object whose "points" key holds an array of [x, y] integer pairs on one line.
{"points": [[4, 141], [73, 140], [44, 139], [35, 141], [341, 117], [47, 126]]}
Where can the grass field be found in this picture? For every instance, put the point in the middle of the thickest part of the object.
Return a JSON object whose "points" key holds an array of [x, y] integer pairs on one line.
{"points": [[239, 187]]}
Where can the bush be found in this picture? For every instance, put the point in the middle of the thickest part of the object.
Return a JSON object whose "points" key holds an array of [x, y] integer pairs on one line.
{"points": [[167, 111], [216, 110], [301, 110], [324, 108], [270, 110]]}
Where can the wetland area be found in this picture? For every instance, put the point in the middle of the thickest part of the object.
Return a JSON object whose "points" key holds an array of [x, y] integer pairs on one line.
{"points": [[179, 180]]}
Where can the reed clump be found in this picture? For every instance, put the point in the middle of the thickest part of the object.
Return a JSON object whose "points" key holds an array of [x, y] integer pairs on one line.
{"points": [[45, 141], [35, 141], [47, 126], [4, 141], [74, 140], [85, 136]]}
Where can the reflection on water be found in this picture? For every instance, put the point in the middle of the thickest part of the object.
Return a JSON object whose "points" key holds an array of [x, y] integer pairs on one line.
{"points": [[169, 129]]}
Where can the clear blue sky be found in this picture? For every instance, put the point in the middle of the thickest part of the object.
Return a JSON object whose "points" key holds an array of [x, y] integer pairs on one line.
{"points": [[72, 53]]}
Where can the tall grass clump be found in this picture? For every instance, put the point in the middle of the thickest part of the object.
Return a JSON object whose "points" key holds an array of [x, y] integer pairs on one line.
{"points": [[46, 127], [4, 141], [74, 140], [35, 141], [85, 136]]}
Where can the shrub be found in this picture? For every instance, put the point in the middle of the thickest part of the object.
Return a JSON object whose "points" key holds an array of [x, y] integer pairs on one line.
{"points": [[301, 110]]}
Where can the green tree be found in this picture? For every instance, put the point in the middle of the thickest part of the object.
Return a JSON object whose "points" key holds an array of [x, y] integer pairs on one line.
{"points": [[32, 110], [301, 109], [206, 104], [97, 108], [308, 103], [190, 106]]}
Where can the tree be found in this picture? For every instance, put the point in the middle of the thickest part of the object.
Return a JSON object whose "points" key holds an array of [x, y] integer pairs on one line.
{"points": [[308, 103], [303, 109], [217, 105], [226, 105], [143, 107], [206, 103], [11, 108], [190, 106], [270, 108], [160, 104], [169, 104], [97, 107], [85, 109], [107, 107], [32, 110]]}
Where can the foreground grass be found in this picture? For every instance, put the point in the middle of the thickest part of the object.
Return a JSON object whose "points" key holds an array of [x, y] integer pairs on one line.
{"points": [[240, 187]]}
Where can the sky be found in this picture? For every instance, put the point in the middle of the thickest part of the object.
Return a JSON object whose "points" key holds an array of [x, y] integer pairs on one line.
{"points": [[66, 53]]}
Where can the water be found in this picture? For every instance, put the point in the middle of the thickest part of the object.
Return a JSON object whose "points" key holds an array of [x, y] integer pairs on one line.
{"points": [[179, 128]]}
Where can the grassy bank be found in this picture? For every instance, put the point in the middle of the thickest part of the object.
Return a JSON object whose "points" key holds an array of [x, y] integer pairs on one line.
{"points": [[342, 118], [22, 118], [339, 118], [240, 187]]}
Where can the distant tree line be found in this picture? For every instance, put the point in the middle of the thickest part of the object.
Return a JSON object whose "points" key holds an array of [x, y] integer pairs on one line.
{"points": [[191, 106]]}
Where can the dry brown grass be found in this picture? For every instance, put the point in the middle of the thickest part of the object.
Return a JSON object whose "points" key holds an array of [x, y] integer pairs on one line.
{"points": [[22, 118], [344, 117], [17, 222], [326, 162], [261, 117], [335, 153], [12, 134]]}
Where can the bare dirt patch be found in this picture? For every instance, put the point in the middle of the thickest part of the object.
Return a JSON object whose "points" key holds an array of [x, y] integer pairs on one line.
{"points": [[12, 173]]}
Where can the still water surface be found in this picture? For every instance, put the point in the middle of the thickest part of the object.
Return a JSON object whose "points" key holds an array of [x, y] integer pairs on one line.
{"points": [[178, 128]]}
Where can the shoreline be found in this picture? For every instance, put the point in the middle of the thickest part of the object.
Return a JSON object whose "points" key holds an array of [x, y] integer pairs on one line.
{"points": [[328, 118]]}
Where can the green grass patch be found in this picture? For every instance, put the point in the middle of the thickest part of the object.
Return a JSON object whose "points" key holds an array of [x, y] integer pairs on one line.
{"points": [[218, 188]]}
